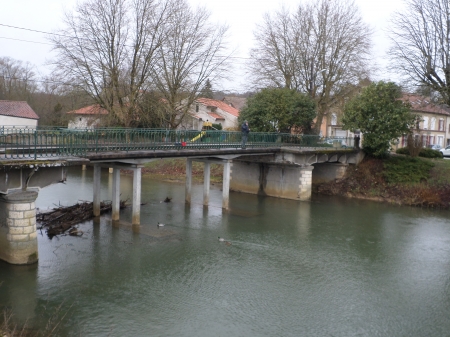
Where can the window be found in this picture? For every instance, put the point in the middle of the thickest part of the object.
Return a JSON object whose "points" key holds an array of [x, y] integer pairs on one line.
{"points": [[425, 123], [441, 124], [424, 140], [196, 108], [433, 123], [333, 119]]}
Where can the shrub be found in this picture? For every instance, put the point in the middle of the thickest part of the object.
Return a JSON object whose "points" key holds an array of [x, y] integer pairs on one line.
{"points": [[406, 170], [430, 153], [424, 152], [403, 150]]}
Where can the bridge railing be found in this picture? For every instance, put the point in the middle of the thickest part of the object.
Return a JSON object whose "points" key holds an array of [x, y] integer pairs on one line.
{"points": [[57, 142]]}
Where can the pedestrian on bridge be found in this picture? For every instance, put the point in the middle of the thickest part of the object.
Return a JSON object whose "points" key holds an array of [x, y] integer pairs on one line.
{"points": [[245, 131]]}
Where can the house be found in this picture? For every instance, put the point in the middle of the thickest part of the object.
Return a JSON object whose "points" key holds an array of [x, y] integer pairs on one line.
{"points": [[18, 114], [88, 117], [210, 110], [435, 121]]}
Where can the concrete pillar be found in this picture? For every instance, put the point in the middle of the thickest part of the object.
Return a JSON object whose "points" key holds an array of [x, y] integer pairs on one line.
{"points": [[97, 189], [188, 180], [206, 182], [18, 237], [226, 185], [305, 186], [83, 167], [136, 207], [111, 170], [116, 195]]}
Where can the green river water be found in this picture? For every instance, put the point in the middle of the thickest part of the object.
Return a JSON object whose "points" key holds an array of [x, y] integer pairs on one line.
{"points": [[329, 267]]}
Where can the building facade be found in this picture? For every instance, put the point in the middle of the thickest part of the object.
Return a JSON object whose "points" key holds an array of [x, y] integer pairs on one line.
{"points": [[211, 111], [17, 114], [88, 117]]}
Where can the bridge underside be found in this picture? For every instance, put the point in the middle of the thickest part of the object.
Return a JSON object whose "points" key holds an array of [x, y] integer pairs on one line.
{"points": [[285, 173]]}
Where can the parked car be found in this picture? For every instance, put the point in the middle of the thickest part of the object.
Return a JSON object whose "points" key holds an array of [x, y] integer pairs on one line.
{"points": [[446, 152], [336, 142], [435, 147]]}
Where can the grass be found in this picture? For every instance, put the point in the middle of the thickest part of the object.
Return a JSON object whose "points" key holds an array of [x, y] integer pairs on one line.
{"points": [[400, 170]]}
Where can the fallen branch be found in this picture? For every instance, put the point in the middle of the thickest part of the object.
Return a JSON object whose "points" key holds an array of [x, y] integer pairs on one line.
{"points": [[61, 219]]}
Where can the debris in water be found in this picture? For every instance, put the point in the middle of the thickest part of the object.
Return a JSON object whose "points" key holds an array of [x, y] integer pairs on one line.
{"points": [[167, 199], [62, 219]]}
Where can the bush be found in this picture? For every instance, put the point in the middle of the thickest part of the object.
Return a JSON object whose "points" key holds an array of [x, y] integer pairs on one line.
{"points": [[217, 126], [429, 153], [424, 152], [403, 150], [406, 170]]}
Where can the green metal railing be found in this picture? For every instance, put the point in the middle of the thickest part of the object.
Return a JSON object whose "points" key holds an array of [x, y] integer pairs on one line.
{"points": [[56, 142]]}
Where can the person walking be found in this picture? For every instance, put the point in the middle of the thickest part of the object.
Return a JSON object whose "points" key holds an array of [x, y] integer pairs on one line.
{"points": [[245, 131]]}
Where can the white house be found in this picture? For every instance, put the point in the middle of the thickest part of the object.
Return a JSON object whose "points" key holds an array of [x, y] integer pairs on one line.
{"points": [[86, 118], [210, 110], [18, 114]]}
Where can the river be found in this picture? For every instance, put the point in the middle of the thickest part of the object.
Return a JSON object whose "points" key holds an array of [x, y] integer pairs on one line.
{"points": [[329, 267]]}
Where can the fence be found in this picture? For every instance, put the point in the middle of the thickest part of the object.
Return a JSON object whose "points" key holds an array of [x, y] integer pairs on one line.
{"points": [[57, 142]]}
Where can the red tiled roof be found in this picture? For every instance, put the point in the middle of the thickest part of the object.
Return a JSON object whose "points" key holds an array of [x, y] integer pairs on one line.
{"points": [[216, 116], [90, 110], [19, 109], [424, 104], [219, 104]]}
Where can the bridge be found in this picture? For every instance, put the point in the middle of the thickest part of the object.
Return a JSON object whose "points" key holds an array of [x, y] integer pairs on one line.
{"points": [[272, 164]]}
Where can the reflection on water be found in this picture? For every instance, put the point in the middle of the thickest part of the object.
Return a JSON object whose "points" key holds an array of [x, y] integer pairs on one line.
{"points": [[331, 266]]}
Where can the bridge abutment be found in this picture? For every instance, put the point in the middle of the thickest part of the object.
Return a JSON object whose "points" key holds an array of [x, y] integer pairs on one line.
{"points": [[275, 180], [18, 237]]}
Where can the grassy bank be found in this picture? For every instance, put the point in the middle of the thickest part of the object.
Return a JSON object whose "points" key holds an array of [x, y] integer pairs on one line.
{"points": [[398, 179], [175, 170]]}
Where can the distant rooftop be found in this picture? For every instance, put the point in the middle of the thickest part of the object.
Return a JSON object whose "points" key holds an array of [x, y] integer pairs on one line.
{"points": [[425, 104], [19, 109], [219, 104], [95, 109]]}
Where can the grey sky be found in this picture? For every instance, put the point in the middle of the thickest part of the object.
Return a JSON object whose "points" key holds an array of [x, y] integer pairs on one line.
{"points": [[240, 15]]}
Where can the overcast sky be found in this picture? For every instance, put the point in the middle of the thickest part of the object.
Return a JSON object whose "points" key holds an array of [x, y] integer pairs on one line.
{"points": [[240, 15]]}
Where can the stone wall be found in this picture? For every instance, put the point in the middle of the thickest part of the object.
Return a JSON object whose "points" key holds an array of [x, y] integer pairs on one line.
{"points": [[18, 237]]}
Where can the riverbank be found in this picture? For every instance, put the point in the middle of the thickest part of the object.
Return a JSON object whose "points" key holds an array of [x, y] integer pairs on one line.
{"points": [[174, 170], [400, 180], [397, 180]]}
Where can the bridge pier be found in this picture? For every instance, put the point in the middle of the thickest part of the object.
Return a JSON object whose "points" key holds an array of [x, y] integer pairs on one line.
{"points": [[188, 192], [115, 212], [207, 180], [18, 237], [279, 180], [226, 184], [136, 202], [97, 189]]}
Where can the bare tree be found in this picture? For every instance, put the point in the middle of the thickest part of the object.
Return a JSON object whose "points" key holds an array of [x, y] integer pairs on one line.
{"points": [[421, 45], [108, 49], [321, 47], [17, 80], [194, 49]]}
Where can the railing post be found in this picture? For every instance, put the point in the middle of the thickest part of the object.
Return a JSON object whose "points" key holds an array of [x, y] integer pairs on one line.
{"points": [[35, 144]]}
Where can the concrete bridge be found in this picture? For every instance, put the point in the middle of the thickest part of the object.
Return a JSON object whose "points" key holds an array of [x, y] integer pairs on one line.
{"points": [[272, 164]]}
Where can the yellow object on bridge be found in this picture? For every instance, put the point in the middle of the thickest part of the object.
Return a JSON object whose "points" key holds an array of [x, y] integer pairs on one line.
{"points": [[200, 135]]}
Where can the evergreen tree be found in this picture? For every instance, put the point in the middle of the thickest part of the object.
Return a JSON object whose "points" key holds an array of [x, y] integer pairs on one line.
{"points": [[206, 92]]}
